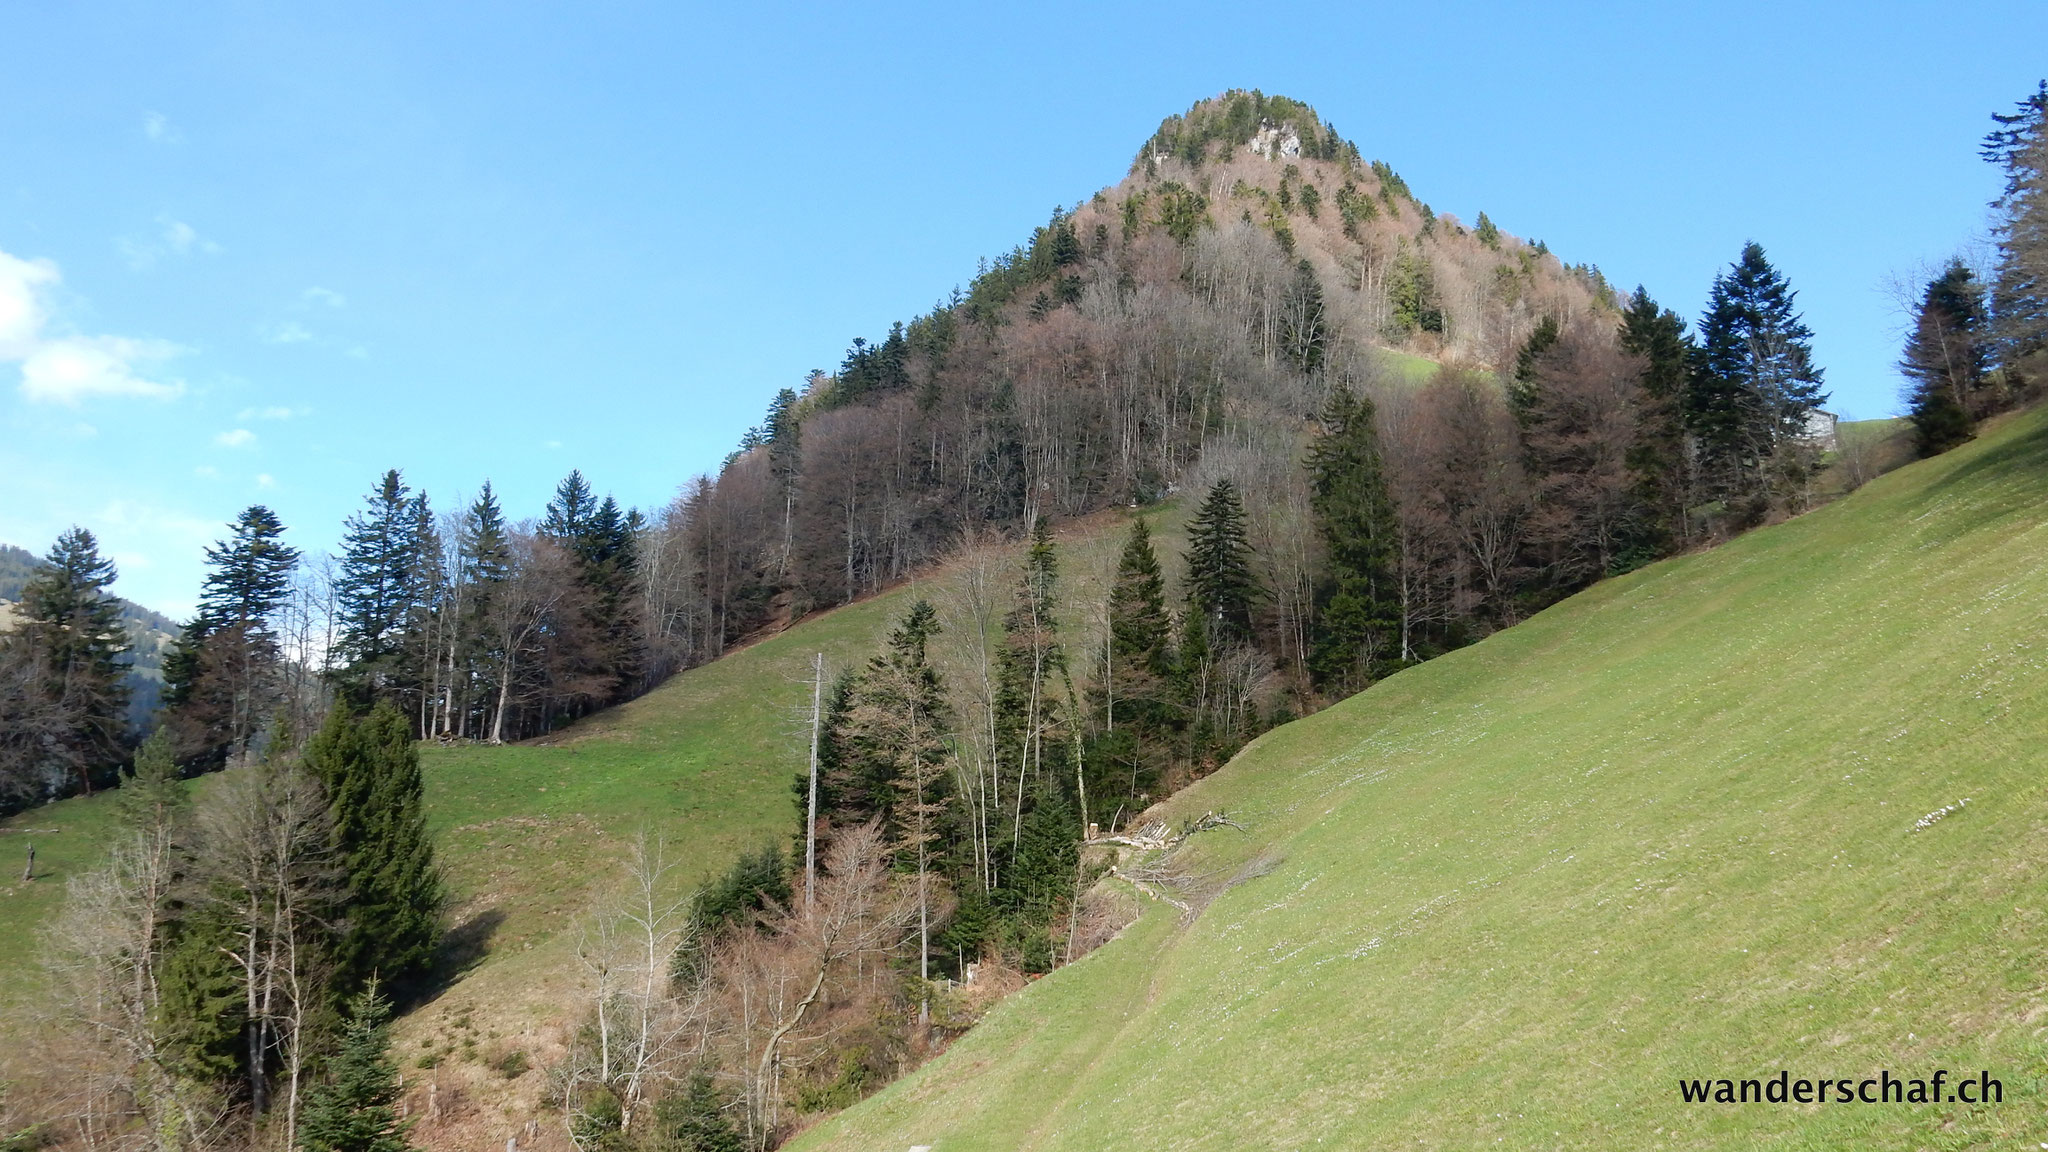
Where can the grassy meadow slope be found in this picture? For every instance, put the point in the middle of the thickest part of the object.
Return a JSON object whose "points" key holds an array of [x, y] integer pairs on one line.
{"points": [[530, 833], [1665, 829]]}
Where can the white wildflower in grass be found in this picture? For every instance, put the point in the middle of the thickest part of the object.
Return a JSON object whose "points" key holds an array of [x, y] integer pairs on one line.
{"points": [[1939, 814]]}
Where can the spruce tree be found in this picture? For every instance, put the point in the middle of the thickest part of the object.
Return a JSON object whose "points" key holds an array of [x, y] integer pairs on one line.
{"points": [[356, 1109], [65, 646], [899, 725], [202, 1005], [895, 728], [1756, 382], [1220, 584], [418, 673], [1134, 695], [1042, 878], [694, 1119], [370, 768], [1946, 358], [484, 559], [251, 572], [1030, 665], [1658, 337], [220, 678], [608, 566], [1140, 658], [2019, 287], [1487, 232], [569, 510], [1541, 340], [152, 797], [1357, 630], [379, 586]]}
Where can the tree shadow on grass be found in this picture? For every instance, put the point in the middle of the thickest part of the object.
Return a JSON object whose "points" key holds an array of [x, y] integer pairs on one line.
{"points": [[462, 948], [2022, 461]]}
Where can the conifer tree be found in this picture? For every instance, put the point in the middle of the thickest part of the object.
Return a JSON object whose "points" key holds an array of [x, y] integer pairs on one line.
{"points": [[1658, 336], [1140, 658], [1029, 667], [68, 705], [785, 462], [2019, 288], [1487, 232], [694, 1119], [599, 647], [1134, 697], [251, 572], [356, 1110], [844, 798], [1527, 358], [1355, 518], [484, 560], [151, 796], [896, 723], [898, 726], [1946, 358], [569, 511], [202, 1011], [220, 679], [1048, 853], [1220, 585], [379, 587], [429, 619], [1756, 381], [370, 769], [612, 572]]}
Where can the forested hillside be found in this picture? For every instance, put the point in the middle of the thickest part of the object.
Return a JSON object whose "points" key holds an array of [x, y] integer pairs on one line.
{"points": [[1241, 316], [1251, 433], [1772, 807]]}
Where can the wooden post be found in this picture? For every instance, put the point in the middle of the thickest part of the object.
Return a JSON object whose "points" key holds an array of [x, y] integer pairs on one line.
{"points": [[29, 873]]}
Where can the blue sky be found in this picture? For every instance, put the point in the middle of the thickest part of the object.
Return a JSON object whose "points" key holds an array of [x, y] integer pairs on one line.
{"points": [[260, 253]]}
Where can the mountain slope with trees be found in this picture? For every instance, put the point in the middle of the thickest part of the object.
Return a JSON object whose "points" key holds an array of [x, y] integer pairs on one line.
{"points": [[1230, 323], [1517, 893]]}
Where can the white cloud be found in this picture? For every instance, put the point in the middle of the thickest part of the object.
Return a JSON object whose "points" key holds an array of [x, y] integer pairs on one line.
{"points": [[206, 470], [174, 239], [77, 368], [235, 438], [289, 332], [68, 369], [265, 480], [158, 127], [327, 296], [21, 314], [274, 413]]}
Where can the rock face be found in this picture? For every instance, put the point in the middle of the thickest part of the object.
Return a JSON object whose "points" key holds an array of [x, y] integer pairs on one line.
{"points": [[1271, 140]]}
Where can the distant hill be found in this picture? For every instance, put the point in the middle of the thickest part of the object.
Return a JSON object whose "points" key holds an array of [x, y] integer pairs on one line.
{"points": [[151, 633]]}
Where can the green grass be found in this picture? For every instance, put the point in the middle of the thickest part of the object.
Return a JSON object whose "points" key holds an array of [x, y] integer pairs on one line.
{"points": [[1664, 829], [70, 837], [1409, 368], [1870, 432]]}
